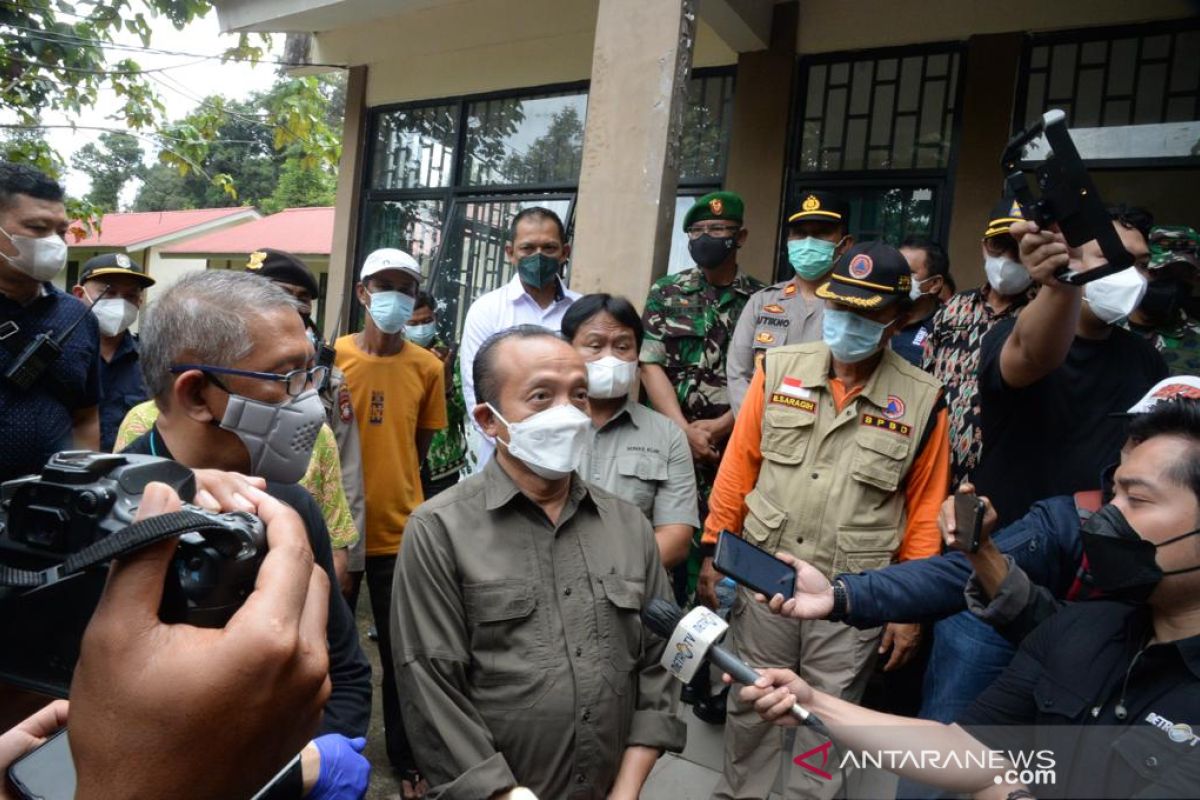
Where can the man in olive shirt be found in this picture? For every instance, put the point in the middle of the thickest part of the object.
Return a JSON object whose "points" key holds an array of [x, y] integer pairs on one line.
{"points": [[520, 654]]}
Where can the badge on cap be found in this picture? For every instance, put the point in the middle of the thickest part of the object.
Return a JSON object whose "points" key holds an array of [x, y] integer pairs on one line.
{"points": [[123, 261], [1015, 211], [716, 206], [860, 266], [811, 203], [256, 260], [895, 407]]}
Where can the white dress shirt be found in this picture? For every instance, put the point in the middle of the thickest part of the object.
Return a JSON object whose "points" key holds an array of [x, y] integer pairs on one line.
{"points": [[493, 312]]}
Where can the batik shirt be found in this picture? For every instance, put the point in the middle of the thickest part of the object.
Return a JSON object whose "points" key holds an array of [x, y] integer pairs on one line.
{"points": [[952, 356]]}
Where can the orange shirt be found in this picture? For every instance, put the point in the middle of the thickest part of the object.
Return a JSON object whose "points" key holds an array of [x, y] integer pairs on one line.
{"points": [[925, 489], [392, 396]]}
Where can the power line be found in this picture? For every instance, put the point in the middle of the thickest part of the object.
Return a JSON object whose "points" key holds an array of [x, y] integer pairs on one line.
{"points": [[123, 132], [90, 71]]}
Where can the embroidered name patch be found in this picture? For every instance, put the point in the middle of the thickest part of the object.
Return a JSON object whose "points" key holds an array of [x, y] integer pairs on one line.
{"points": [[794, 402], [882, 423]]}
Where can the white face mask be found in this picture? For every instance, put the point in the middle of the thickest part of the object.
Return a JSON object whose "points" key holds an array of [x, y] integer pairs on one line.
{"points": [[550, 442], [1113, 298], [1005, 275], [115, 315], [40, 259], [610, 377]]}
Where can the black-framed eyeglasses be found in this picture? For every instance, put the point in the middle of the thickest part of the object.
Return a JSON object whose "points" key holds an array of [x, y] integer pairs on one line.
{"points": [[716, 231], [296, 381]]}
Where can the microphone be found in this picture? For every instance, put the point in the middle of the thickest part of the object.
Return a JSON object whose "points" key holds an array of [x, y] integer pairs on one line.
{"points": [[692, 639]]}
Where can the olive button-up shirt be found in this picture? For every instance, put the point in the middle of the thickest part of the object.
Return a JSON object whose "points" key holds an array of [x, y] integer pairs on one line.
{"points": [[520, 652]]}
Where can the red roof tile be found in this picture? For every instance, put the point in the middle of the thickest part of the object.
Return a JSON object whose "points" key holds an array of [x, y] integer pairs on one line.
{"points": [[124, 230], [303, 231]]}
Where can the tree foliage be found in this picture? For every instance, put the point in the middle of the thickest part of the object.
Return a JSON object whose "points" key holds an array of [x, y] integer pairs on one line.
{"points": [[110, 163]]}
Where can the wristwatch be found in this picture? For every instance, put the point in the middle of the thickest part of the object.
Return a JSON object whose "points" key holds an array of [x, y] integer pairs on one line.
{"points": [[840, 603]]}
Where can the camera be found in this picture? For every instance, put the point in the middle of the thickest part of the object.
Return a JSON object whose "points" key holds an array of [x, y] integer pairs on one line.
{"points": [[79, 503]]}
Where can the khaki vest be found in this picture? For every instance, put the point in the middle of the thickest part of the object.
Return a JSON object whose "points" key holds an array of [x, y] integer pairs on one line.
{"points": [[831, 486]]}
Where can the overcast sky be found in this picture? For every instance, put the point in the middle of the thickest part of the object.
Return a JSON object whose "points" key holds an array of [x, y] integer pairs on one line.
{"points": [[234, 80]]}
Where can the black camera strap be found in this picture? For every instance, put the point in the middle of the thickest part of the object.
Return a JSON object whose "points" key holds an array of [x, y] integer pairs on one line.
{"points": [[136, 536]]}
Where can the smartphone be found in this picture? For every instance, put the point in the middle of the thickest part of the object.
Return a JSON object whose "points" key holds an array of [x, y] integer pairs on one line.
{"points": [[47, 772], [753, 567], [968, 522]]}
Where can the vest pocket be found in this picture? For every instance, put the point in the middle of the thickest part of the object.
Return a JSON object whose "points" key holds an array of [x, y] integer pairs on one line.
{"points": [[764, 522], [879, 459], [861, 549], [786, 434]]}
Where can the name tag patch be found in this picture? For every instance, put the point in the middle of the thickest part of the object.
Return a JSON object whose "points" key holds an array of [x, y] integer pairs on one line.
{"points": [[883, 423], [794, 402]]}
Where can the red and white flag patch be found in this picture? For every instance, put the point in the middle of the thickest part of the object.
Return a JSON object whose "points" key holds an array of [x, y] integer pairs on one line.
{"points": [[792, 387]]}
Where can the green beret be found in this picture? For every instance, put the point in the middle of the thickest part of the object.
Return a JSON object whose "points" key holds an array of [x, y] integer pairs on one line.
{"points": [[715, 205]]}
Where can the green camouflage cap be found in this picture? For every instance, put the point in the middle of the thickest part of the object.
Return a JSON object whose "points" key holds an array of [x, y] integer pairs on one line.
{"points": [[715, 205], [1170, 244]]}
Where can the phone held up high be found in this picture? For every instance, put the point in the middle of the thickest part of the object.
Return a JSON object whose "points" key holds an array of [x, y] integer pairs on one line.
{"points": [[753, 567], [968, 523]]}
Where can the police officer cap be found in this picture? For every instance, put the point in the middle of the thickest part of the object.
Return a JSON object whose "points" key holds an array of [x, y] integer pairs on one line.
{"points": [[276, 265], [1006, 212], [869, 275], [715, 205], [114, 264], [821, 207]]}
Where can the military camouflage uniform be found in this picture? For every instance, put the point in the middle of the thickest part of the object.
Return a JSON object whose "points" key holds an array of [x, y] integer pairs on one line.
{"points": [[1179, 344], [448, 448], [689, 325]]}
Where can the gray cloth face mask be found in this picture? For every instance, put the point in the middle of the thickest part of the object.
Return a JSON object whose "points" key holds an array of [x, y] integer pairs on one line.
{"points": [[279, 438]]}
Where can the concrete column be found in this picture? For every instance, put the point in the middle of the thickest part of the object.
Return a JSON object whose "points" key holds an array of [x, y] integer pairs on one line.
{"points": [[990, 87], [641, 60], [347, 203], [758, 140]]}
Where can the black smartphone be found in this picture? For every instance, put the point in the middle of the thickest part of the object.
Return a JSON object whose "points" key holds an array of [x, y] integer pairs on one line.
{"points": [[753, 567], [47, 772], [968, 522]]}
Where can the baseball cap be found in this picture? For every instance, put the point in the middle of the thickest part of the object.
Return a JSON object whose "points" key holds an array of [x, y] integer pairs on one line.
{"points": [[114, 264], [1004, 214], [715, 205], [1185, 386], [277, 265], [822, 207], [869, 275], [1171, 244], [389, 258]]}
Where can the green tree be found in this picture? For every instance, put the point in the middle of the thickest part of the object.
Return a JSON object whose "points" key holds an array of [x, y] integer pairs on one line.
{"points": [[300, 186], [112, 163]]}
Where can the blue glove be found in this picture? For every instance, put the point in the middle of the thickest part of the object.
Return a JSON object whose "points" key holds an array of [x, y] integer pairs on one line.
{"points": [[344, 772]]}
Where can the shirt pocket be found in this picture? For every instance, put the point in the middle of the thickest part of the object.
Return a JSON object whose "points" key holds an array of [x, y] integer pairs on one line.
{"points": [[618, 618], [640, 476], [1059, 702], [859, 549], [764, 521], [786, 435], [879, 459], [506, 646], [1150, 752]]}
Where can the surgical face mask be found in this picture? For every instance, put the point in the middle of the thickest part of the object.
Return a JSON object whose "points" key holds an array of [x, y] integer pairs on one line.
{"points": [[1123, 564], [538, 269], [610, 377], [390, 310], [114, 315], [279, 438], [1114, 297], [710, 252], [421, 334], [550, 442], [40, 259], [1006, 276], [811, 257], [851, 338], [914, 291]]}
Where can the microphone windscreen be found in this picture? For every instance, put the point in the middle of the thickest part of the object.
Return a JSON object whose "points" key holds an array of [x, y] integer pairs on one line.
{"points": [[661, 617]]}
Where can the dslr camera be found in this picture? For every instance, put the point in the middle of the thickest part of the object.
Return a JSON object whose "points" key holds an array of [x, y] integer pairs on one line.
{"points": [[58, 529]]}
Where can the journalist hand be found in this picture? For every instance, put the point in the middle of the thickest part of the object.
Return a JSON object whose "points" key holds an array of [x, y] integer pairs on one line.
{"points": [[217, 490], [774, 694], [1043, 252], [25, 736], [947, 523], [334, 768], [812, 598], [176, 711]]}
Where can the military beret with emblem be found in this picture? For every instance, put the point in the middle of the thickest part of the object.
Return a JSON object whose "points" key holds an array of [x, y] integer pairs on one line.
{"points": [[715, 205], [819, 206], [114, 264], [869, 275], [1004, 214], [283, 267]]}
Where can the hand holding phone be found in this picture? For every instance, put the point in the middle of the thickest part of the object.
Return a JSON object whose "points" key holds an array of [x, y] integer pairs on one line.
{"points": [[753, 567], [968, 522]]}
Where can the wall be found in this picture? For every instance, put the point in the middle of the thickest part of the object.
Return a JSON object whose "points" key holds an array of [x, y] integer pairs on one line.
{"points": [[166, 271]]}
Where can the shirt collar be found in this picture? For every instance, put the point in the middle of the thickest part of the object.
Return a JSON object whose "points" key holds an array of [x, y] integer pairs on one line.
{"points": [[514, 290], [128, 346], [626, 413], [499, 489]]}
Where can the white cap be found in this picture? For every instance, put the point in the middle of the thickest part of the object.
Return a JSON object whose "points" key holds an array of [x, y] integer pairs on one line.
{"points": [[1185, 386], [389, 258]]}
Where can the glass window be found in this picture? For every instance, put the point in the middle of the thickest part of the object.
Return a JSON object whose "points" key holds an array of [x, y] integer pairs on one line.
{"points": [[525, 140], [1126, 95], [414, 148], [414, 226], [706, 121]]}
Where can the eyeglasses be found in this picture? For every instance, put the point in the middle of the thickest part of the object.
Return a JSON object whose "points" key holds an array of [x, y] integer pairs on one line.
{"points": [[296, 381], [716, 231]]}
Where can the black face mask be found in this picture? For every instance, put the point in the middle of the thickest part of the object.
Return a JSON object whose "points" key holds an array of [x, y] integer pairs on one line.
{"points": [[709, 252], [1121, 563], [1163, 298]]}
